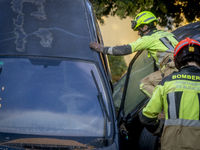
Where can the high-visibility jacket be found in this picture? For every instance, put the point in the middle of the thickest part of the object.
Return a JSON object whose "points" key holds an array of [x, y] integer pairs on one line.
{"points": [[179, 96], [158, 43]]}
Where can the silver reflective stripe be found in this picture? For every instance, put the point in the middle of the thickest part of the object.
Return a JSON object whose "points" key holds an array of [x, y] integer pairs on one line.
{"points": [[161, 55], [193, 42], [168, 44], [170, 49], [180, 46], [172, 106], [139, 17], [192, 123], [110, 51], [160, 58], [149, 19]]}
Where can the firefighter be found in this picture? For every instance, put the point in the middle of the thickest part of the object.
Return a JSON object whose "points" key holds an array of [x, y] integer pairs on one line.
{"points": [[179, 95], [159, 44]]}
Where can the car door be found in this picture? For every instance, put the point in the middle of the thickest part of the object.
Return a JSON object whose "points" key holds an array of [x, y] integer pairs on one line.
{"points": [[132, 98], [129, 99]]}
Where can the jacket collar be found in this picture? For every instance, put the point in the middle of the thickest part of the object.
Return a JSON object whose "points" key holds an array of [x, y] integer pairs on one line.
{"points": [[152, 31], [189, 68]]}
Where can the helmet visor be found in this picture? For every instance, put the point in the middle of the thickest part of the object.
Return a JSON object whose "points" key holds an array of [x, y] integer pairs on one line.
{"points": [[133, 24]]}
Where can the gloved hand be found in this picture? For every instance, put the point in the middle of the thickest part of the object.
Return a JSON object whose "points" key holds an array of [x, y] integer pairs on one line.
{"points": [[124, 132], [97, 47], [161, 115], [159, 130]]}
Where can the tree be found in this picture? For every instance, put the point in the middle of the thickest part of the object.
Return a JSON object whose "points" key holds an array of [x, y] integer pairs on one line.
{"points": [[163, 9], [117, 66]]}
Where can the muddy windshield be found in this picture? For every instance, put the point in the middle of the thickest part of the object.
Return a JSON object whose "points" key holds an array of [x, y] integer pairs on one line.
{"points": [[46, 28], [48, 96]]}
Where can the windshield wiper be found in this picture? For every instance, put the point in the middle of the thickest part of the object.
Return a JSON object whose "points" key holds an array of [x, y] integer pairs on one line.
{"points": [[100, 98]]}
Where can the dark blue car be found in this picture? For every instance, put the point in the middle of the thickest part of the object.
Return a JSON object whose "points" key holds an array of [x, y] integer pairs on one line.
{"points": [[55, 92]]}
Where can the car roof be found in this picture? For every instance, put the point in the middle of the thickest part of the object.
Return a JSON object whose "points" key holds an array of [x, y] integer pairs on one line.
{"points": [[191, 30], [59, 28]]}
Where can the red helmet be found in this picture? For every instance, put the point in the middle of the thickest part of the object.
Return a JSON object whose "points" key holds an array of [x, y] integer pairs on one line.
{"points": [[184, 43], [184, 48]]}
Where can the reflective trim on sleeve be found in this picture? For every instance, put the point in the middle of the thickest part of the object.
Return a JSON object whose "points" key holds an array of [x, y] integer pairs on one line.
{"points": [[192, 123], [110, 50]]}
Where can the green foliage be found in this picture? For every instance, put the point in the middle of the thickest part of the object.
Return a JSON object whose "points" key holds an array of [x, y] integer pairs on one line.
{"points": [[161, 8], [117, 66]]}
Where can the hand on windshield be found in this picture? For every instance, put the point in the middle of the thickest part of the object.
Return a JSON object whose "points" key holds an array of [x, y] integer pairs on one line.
{"points": [[97, 47]]}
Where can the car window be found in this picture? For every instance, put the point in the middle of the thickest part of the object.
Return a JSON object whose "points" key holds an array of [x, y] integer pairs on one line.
{"points": [[118, 92], [49, 96], [139, 68], [142, 67]]}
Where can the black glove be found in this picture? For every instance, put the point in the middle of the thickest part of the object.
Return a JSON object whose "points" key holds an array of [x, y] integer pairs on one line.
{"points": [[124, 132], [159, 130]]}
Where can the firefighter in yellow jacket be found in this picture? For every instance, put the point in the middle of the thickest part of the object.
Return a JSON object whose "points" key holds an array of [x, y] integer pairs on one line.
{"points": [[179, 96], [159, 44]]}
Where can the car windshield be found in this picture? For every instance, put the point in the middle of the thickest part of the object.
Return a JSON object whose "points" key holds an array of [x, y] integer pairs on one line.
{"points": [[49, 96]]}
